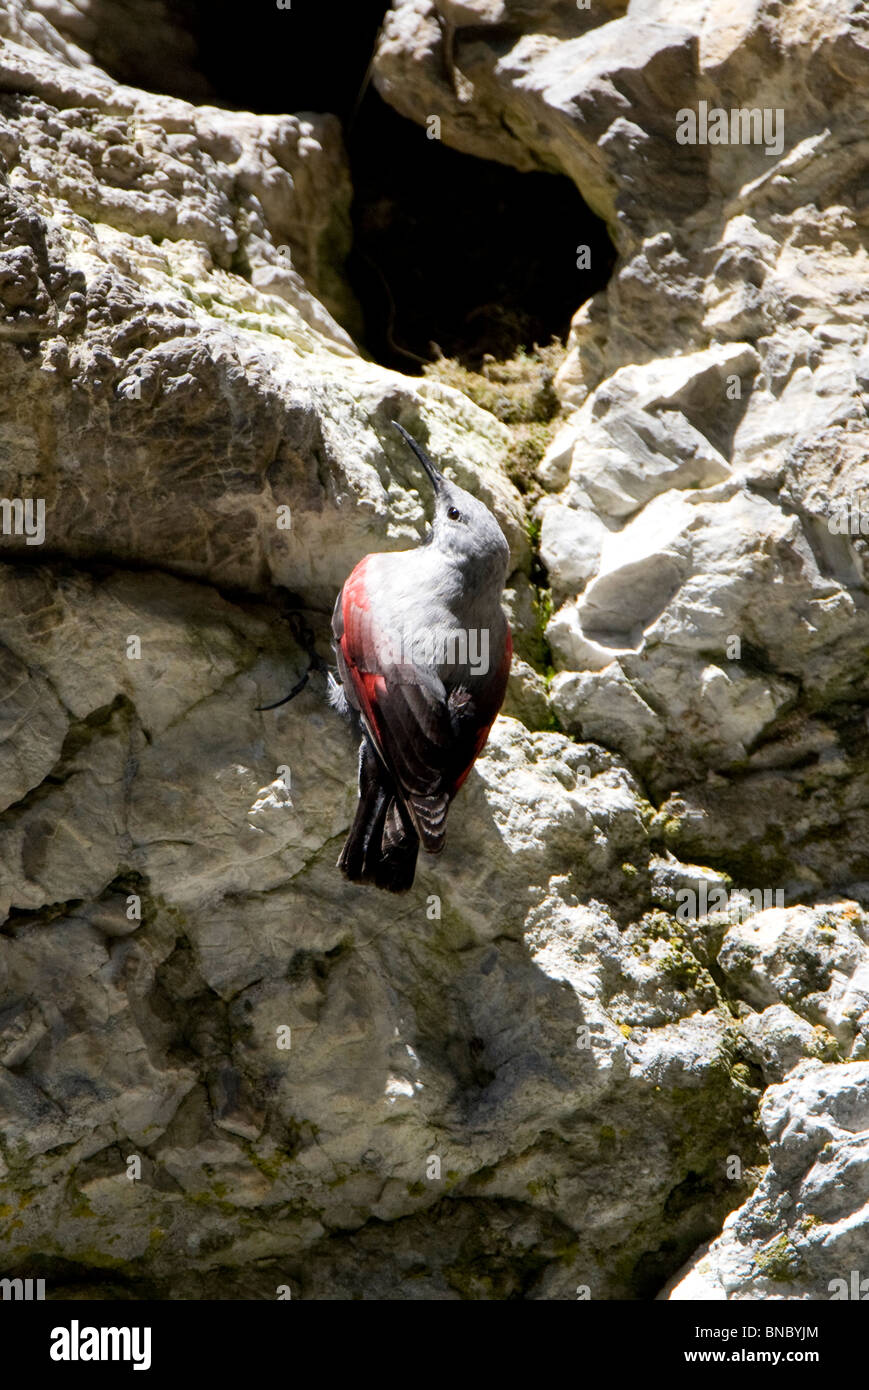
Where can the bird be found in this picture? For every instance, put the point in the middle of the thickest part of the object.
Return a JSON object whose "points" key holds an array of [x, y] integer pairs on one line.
{"points": [[423, 653]]}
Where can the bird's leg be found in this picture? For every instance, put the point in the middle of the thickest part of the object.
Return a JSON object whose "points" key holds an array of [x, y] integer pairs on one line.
{"points": [[296, 690], [304, 638]]}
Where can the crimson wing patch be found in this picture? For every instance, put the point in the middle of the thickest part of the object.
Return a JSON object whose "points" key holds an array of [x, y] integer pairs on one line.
{"points": [[427, 741]]}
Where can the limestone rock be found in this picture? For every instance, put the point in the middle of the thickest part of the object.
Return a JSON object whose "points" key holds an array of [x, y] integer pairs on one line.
{"points": [[528, 1077], [800, 1234], [814, 960], [702, 499], [716, 427]]}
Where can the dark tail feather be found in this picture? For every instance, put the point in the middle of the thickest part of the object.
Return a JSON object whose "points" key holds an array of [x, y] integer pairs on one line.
{"points": [[399, 847], [382, 845]]}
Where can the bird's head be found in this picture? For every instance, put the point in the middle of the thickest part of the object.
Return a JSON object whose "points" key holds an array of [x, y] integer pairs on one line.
{"points": [[463, 529]]}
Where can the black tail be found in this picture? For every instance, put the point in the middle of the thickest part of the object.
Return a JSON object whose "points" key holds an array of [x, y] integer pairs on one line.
{"points": [[382, 845]]}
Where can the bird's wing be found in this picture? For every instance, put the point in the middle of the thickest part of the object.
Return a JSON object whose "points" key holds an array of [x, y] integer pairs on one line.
{"points": [[472, 717], [404, 708]]}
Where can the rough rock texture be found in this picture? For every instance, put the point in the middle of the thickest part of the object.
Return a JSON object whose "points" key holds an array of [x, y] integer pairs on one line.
{"points": [[802, 1233], [537, 1076], [710, 624], [146, 42]]}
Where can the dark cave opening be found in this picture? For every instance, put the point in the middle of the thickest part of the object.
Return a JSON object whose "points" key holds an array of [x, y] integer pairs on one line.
{"points": [[451, 253], [460, 254]]}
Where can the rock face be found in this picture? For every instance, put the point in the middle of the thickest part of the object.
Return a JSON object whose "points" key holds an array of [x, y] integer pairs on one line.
{"points": [[802, 1233], [701, 517], [554, 1068]]}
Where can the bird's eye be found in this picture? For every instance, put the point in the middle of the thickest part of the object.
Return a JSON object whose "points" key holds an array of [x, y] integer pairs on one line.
{"points": [[454, 514]]}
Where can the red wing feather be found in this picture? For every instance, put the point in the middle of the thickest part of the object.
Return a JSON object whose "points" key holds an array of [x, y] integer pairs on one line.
{"points": [[406, 712], [495, 698]]}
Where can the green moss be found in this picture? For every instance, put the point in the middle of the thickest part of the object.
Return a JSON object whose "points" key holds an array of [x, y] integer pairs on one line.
{"points": [[484, 1175], [271, 1167], [779, 1262], [686, 972], [98, 1259], [544, 608], [488, 1267], [210, 1199], [824, 1045], [519, 392], [657, 926], [542, 1187], [529, 444], [704, 1120], [80, 1207]]}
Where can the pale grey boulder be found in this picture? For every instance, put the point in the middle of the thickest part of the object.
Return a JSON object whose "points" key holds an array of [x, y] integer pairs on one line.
{"points": [[801, 1233], [779, 1038], [815, 960]]}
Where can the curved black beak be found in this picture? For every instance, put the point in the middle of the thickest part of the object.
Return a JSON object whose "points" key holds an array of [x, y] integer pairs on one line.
{"points": [[437, 479]]}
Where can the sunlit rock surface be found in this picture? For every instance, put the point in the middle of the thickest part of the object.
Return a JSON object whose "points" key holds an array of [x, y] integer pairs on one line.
{"points": [[223, 1070]]}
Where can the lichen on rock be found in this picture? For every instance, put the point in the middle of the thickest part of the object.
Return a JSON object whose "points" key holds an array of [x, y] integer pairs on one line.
{"points": [[222, 1068]]}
